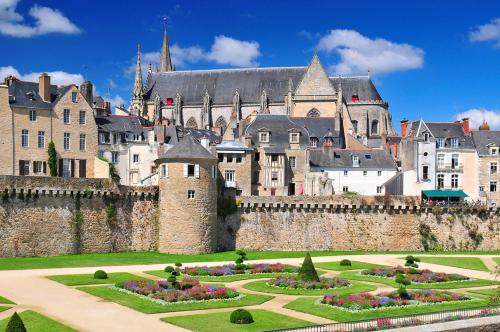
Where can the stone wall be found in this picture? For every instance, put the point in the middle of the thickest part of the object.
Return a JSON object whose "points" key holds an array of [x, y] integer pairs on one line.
{"points": [[38, 217]]}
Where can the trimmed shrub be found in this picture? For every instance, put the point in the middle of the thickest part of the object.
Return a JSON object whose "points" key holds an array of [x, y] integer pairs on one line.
{"points": [[172, 279], [178, 264], [345, 262], [100, 274], [169, 269], [403, 293], [307, 272], [175, 273], [15, 324], [241, 316], [402, 280]]}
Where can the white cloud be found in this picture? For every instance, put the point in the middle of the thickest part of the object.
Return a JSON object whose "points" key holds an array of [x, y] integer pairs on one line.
{"points": [[181, 56], [477, 115], [487, 32], [234, 52], [56, 77], [46, 20], [116, 101], [359, 53]]}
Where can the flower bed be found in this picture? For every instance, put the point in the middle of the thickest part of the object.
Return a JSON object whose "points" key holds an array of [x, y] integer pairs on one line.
{"points": [[230, 269], [365, 301], [414, 275], [296, 283], [187, 289]]}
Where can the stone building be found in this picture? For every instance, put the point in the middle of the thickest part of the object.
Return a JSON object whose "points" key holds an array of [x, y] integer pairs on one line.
{"points": [[35, 114], [487, 145], [188, 192]]}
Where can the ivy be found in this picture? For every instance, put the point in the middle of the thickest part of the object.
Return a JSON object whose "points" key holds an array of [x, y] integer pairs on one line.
{"points": [[427, 239]]}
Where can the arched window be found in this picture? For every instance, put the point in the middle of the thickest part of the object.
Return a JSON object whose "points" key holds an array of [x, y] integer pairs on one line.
{"points": [[355, 125], [314, 113], [374, 130], [220, 125], [191, 123]]}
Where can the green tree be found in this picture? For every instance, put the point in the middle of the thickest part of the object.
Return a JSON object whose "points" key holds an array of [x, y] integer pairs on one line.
{"points": [[307, 272], [52, 161], [15, 324]]}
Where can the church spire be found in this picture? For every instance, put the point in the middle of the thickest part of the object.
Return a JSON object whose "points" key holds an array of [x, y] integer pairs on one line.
{"points": [[137, 93], [165, 62]]}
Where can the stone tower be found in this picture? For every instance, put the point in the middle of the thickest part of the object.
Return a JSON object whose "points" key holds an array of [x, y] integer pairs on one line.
{"points": [[188, 199], [137, 104]]}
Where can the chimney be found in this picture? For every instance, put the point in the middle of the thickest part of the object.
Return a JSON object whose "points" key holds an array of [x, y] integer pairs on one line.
{"points": [[404, 127], [466, 125], [44, 87], [86, 90]]}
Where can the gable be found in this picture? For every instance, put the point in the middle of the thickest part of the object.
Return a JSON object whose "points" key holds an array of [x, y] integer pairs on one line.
{"points": [[315, 80]]}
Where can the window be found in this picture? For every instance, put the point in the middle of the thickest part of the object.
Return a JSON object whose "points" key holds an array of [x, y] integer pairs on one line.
{"points": [[345, 189], [426, 137], [354, 98], [368, 156], [374, 127], [493, 151], [103, 138], [229, 158], [83, 142], [379, 173], [100, 154], [294, 137], [493, 168], [170, 101], [454, 161], [379, 190], [365, 173], [440, 181], [454, 142], [67, 170], [425, 172], [220, 157], [115, 157], [493, 186], [66, 116], [24, 167], [190, 170], [66, 141], [454, 181], [355, 125], [37, 167], [481, 189], [25, 141], [274, 176], [74, 97], [41, 139], [355, 161], [229, 175], [314, 113], [440, 160], [32, 116], [135, 158], [440, 142], [191, 194], [346, 173], [238, 158], [116, 138], [314, 142], [83, 117], [274, 157], [292, 162], [164, 171], [264, 137]]}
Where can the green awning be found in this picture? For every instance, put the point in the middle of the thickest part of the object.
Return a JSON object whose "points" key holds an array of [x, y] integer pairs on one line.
{"points": [[444, 193]]}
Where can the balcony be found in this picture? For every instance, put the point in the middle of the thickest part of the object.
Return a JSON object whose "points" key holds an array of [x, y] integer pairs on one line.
{"points": [[230, 184], [449, 167]]}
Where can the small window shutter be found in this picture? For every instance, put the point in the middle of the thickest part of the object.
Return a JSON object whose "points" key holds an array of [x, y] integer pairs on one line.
{"points": [[185, 170], [60, 173], [45, 167], [34, 167], [166, 170], [72, 168], [197, 171]]}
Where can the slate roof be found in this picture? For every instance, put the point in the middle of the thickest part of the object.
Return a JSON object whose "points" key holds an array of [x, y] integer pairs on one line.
{"points": [[320, 128], [484, 137], [26, 95], [121, 124], [187, 148], [232, 145], [342, 159], [448, 130], [279, 127], [222, 83]]}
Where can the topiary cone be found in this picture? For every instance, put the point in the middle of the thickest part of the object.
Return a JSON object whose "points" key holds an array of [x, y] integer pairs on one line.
{"points": [[307, 272], [15, 324]]}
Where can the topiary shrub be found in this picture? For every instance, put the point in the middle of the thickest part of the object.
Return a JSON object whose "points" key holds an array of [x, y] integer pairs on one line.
{"points": [[169, 269], [345, 262], [411, 261], [403, 293], [172, 279], [15, 324], [402, 280], [307, 272], [241, 316], [100, 274], [178, 264]]}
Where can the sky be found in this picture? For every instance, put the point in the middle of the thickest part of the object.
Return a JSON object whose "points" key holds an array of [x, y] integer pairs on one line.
{"points": [[436, 60]]}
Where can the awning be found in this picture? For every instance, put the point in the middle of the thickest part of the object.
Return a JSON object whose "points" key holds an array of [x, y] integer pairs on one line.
{"points": [[443, 193]]}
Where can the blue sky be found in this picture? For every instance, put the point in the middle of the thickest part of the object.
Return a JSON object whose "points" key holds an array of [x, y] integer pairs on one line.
{"points": [[429, 59]]}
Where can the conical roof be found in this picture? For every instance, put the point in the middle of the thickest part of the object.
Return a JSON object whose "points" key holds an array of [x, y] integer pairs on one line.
{"points": [[187, 148]]}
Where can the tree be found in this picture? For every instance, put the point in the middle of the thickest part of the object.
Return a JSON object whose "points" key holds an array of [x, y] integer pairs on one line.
{"points": [[307, 272], [52, 161], [15, 324]]}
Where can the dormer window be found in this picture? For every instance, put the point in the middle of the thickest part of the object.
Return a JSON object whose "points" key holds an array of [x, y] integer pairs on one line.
{"points": [[264, 137], [294, 137], [454, 142], [440, 142], [170, 101], [494, 151], [427, 137], [314, 142], [354, 98], [355, 161]]}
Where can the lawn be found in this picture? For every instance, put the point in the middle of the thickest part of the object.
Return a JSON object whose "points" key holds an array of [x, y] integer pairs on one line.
{"points": [[309, 305], [261, 286], [149, 307], [88, 279], [3, 308], [3, 300], [497, 260], [435, 285], [229, 278], [219, 322], [139, 258], [487, 292], [355, 265], [471, 263], [33, 321]]}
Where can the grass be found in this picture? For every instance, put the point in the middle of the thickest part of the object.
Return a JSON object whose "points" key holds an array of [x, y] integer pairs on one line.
{"points": [[2, 308], [261, 286], [309, 306], [139, 258], [3, 300], [487, 292], [435, 285], [355, 265], [219, 322], [33, 321], [88, 279], [470, 263], [230, 278], [149, 307], [497, 260]]}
